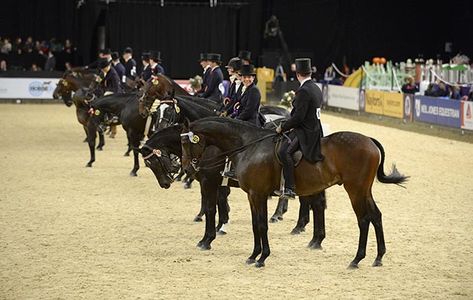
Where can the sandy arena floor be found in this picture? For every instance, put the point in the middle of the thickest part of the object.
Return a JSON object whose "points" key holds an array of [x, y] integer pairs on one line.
{"points": [[70, 232]]}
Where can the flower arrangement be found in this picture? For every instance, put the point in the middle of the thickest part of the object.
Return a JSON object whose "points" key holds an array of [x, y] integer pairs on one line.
{"points": [[287, 98], [196, 82]]}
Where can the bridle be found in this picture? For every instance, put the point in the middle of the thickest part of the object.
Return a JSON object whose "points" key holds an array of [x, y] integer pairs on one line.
{"points": [[158, 154]]}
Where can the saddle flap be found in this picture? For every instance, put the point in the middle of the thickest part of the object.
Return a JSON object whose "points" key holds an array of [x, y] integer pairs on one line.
{"points": [[296, 156]]}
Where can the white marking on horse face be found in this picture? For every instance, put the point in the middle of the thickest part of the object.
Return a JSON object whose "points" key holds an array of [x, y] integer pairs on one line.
{"points": [[162, 108]]}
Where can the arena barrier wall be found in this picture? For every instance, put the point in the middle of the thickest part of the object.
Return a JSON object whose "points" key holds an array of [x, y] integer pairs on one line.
{"points": [[467, 115], [342, 97], [27, 88], [446, 112], [384, 103]]}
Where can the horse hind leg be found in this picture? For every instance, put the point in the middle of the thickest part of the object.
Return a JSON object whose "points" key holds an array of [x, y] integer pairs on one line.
{"points": [[376, 220], [281, 209], [318, 205], [359, 204], [303, 219]]}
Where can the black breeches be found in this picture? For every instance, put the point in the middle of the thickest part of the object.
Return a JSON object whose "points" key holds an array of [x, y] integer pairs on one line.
{"points": [[285, 153]]}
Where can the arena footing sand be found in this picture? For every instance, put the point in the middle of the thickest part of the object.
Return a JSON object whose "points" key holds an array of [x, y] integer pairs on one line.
{"points": [[70, 232]]}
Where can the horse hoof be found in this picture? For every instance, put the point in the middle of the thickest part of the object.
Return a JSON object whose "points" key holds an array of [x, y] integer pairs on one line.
{"points": [[100, 148], [353, 266], [377, 263], [221, 232], [198, 219], [273, 219], [126, 154], [315, 246], [187, 186], [259, 264], [297, 230], [199, 244], [88, 165], [133, 174], [250, 261], [84, 141], [205, 246]]}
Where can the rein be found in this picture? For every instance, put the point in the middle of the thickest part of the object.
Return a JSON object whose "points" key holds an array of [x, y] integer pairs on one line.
{"points": [[225, 154]]}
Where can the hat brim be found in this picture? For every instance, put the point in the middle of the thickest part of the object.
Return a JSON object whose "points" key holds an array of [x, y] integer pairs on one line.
{"points": [[247, 74]]}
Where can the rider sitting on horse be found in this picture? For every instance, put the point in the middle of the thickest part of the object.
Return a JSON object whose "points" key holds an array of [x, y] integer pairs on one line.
{"points": [[303, 129], [236, 87]]}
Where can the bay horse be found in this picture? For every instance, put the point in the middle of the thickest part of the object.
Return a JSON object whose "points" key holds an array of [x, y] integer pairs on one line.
{"points": [[126, 107], [157, 156], [351, 159], [180, 109], [71, 89]]}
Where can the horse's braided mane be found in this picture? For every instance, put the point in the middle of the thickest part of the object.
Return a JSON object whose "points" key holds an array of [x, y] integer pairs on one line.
{"points": [[231, 123]]}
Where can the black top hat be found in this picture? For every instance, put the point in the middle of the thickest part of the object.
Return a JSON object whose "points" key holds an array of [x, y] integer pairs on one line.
{"points": [[145, 56], [215, 57], [105, 51], [102, 63], [247, 70], [128, 50], [234, 63], [115, 55], [245, 54], [203, 56], [303, 65], [155, 55]]}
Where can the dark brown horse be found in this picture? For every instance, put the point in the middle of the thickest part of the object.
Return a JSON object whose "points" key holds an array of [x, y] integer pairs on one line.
{"points": [[72, 89], [351, 159]]}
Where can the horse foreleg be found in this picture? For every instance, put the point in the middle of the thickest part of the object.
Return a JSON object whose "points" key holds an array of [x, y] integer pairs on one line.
{"points": [[101, 141], [91, 135], [259, 218], [223, 209], [318, 205], [198, 217], [281, 209], [303, 219], [86, 134], [209, 196], [134, 140]]}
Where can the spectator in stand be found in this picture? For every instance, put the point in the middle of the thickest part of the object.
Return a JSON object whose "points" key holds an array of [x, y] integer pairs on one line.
{"points": [[455, 92], [3, 65], [17, 45], [6, 46], [50, 63], [443, 90], [35, 68], [68, 66], [291, 76], [409, 87]]}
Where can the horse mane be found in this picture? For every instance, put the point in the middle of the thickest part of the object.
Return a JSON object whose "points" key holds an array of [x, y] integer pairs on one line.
{"points": [[164, 134], [234, 125], [194, 107]]}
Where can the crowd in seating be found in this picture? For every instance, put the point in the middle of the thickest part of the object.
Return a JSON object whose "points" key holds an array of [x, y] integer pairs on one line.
{"points": [[36, 55]]}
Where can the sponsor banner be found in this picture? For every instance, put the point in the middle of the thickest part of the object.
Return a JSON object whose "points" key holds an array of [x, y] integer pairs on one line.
{"points": [[27, 88], [374, 102], [384, 103], [467, 115], [437, 111], [343, 97], [408, 105], [393, 105]]}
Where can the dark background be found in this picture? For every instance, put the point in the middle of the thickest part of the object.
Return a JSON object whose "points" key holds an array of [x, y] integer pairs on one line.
{"points": [[340, 31]]}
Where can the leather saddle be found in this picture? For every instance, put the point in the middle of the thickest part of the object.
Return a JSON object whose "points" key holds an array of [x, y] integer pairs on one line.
{"points": [[296, 156]]}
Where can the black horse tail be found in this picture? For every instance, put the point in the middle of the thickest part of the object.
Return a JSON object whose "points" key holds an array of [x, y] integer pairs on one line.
{"points": [[395, 177]]}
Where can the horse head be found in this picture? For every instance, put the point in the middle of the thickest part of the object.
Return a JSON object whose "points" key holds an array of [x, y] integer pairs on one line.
{"points": [[63, 91], [159, 154], [158, 87]]}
